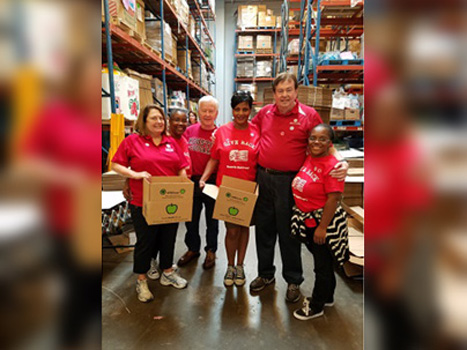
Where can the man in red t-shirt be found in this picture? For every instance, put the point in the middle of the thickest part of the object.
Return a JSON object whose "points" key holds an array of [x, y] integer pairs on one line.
{"points": [[284, 127], [199, 137]]}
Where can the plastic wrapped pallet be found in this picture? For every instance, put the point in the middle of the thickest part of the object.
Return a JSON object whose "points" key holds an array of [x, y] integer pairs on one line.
{"points": [[245, 68], [154, 39], [182, 61], [264, 42], [183, 10], [294, 47], [264, 69], [158, 88], [247, 16]]}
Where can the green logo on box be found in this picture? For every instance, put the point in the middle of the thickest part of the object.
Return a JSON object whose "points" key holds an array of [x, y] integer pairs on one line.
{"points": [[171, 209], [228, 195], [233, 211], [182, 191], [245, 199], [163, 192]]}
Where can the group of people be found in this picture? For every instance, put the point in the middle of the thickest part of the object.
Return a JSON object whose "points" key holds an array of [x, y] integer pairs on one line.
{"points": [[285, 148]]}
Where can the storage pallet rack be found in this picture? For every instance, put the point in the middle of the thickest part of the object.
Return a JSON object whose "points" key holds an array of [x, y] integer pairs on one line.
{"points": [[131, 53]]}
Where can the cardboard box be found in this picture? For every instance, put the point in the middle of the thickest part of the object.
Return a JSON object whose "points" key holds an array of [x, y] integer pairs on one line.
{"points": [[167, 199], [183, 63], [278, 21], [245, 42], [236, 201], [174, 58], [265, 20], [158, 87], [351, 114], [337, 114], [264, 42], [123, 13], [145, 92], [140, 23], [247, 16]]}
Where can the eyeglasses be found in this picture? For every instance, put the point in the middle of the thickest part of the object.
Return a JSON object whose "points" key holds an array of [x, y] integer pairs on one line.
{"points": [[320, 139]]}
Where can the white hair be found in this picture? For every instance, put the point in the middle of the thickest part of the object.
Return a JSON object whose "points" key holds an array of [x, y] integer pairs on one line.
{"points": [[209, 99]]}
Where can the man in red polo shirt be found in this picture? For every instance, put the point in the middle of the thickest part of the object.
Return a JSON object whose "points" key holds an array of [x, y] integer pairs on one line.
{"points": [[199, 137], [284, 127]]}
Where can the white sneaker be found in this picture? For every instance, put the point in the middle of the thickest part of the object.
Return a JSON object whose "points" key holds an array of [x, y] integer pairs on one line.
{"points": [[229, 276], [153, 272], [142, 289], [173, 279], [239, 275]]}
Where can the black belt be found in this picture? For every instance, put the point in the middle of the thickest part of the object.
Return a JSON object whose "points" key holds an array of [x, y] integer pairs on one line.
{"points": [[277, 172]]}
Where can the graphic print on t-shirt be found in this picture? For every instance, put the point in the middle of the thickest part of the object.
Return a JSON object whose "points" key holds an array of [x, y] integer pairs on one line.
{"points": [[200, 145], [236, 155]]}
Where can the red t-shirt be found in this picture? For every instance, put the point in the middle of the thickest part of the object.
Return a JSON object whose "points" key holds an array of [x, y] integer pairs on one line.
{"points": [[199, 145], [183, 144], [237, 152], [65, 137], [284, 138], [313, 182], [141, 154]]}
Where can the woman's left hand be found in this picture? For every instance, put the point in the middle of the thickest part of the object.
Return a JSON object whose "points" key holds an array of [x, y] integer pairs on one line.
{"points": [[320, 235], [340, 171]]}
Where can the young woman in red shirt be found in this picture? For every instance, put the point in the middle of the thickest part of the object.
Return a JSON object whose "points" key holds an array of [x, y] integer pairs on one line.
{"points": [[235, 154], [150, 152], [317, 196]]}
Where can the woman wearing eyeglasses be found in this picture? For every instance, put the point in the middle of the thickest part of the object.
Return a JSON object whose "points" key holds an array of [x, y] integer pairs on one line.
{"points": [[317, 196], [235, 154]]}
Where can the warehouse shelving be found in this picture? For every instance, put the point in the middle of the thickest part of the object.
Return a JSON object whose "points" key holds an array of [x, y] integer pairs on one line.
{"points": [[132, 53]]}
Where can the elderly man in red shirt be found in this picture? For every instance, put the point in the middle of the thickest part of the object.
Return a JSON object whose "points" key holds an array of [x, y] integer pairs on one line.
{"points": [[284, 127]]}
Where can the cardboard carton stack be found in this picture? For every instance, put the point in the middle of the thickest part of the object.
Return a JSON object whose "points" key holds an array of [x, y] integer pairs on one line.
{"points": [[264, 69], [345, 106], [200, 74], [264, 44], [111, 181], [183, 63], [245, 68], [145, 92], [247, 16], [252, 88], [266, 18], [154, 39], [245, 42], [122, 13]]}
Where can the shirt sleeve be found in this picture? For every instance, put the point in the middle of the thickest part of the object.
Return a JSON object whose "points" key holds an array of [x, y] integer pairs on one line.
{"points": [[331, 185], [122, 155], [215, 150]]}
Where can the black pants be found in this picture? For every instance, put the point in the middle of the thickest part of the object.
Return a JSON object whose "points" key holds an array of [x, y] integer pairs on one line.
{"points": [[192, 237], [325, 280], [273, 213], [147, 236]]}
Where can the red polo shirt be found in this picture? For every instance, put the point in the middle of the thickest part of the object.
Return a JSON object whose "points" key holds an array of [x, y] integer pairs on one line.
{"points": [[284, 138], [141, 154], [237, 152], [199, 144]]}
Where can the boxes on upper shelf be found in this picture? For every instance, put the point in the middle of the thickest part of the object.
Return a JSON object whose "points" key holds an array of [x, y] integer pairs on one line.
{"points": [[140, 28], [145, 92], [351, 114], [154, 39], [123, 13], [247, 16], [245, 42], [337, 114], [158, 87], [265, 19], [264, 42], [245, 67], [183, 62]]}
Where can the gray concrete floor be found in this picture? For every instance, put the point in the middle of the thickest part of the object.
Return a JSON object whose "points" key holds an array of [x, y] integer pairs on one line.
{"points": [[207, 315]]}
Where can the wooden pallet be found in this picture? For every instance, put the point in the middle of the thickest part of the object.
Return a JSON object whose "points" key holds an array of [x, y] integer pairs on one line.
{"points": [[264, 51]]}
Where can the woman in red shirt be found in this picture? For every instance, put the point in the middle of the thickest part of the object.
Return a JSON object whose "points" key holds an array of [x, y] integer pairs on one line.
{"points": [[313, 188], [150, 152], [235, 154]]}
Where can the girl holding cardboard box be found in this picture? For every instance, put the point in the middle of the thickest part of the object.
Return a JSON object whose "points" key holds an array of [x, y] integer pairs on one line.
{"points": [[235, 154], [150, 152]]}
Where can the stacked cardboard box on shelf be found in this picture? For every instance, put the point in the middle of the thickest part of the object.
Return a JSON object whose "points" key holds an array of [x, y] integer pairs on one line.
{"points": [[183, 62], [245, 67], [247, 16], [264, 69], [122, 13], [140, 27], [145, 92], [264, 42], [154, 39], [245, 42], [174, 56], [200, 74], [182, 9], [266, 19], [252, 88]]}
